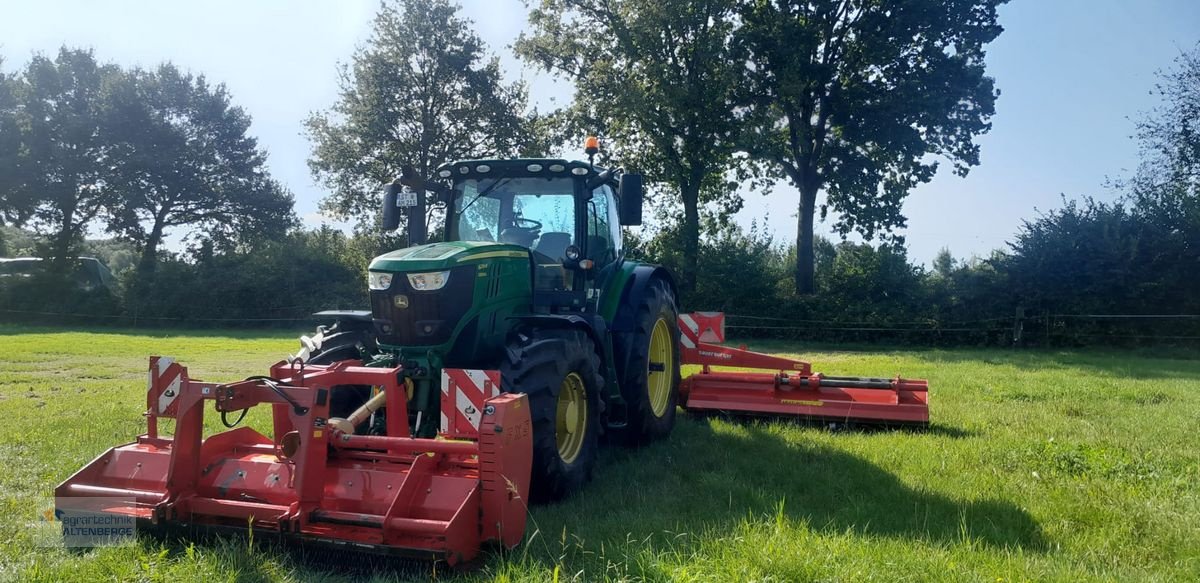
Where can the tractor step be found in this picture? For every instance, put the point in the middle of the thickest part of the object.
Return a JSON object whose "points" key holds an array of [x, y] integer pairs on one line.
{"points": [[394, 494], [792, 389]]}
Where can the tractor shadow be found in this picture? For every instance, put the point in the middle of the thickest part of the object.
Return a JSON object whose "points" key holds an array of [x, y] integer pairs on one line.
{"points": [[709, 478]]}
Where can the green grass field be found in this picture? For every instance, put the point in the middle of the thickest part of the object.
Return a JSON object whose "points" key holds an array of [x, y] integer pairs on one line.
{"points": [[1059, 466]]}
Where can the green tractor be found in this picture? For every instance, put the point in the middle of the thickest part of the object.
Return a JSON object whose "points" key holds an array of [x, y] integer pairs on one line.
{"points": [[530, 279]]}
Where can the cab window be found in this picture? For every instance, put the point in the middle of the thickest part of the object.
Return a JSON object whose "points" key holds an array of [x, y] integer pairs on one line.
{"points": [[604, 240], [537, 213]]}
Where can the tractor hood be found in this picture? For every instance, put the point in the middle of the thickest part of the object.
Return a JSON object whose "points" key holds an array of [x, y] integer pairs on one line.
{"points": [[438, 256]]}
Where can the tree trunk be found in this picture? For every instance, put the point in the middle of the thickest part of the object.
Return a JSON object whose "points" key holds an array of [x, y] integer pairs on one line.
{"points": [[150, 250], [62, 244], [62, 250], [691, 237], [805, 267]]}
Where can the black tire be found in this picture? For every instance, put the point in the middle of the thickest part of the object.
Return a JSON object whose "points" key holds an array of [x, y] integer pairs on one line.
{"points": [[538, 363], [342, 345], [647, 422]]}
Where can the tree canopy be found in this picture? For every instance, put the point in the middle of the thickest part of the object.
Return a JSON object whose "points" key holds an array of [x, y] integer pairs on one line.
{"points": [[1166, 184], [185, 158], [421, 91], [658, 79], [855, 98], [59, 146], [140, 152]]}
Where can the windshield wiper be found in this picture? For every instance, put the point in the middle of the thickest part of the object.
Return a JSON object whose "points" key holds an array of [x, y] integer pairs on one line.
{"points": [[485, 192]]}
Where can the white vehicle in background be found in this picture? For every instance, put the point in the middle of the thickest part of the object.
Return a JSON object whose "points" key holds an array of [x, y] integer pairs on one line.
{"points": [[90, 274]]}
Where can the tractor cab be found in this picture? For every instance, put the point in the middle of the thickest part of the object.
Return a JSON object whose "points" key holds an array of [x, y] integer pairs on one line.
{"points": [[567, 214]]}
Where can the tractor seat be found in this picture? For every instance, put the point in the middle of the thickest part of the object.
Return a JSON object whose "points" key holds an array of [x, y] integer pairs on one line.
{"points": [[553, 245]]}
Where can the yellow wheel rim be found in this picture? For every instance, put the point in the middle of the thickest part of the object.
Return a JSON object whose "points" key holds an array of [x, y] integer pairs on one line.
{"points": [[571, 421], [660, 367]]}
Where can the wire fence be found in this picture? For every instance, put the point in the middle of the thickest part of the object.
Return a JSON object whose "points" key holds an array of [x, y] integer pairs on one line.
{"points": [[58, 318], [1018, 330]]}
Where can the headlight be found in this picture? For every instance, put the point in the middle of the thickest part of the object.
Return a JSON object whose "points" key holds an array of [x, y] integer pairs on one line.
{"points": [[428, 281], [377, 280]]}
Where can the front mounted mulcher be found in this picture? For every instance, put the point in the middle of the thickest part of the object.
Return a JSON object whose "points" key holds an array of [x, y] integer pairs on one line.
{"points": [[393, 494]]}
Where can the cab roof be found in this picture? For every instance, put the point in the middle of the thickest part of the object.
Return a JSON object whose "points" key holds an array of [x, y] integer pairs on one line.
{"points": [[529, 166]]}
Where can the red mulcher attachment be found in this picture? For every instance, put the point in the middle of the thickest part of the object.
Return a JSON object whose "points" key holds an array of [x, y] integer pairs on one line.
{"points": [[430, 498], [793, 390]]}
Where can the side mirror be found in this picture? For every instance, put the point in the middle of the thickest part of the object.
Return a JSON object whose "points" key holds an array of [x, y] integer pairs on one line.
{"points": [[391, 213], [398, 198], [631, 199]]}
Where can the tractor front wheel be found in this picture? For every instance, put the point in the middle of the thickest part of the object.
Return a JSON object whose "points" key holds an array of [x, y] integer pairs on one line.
{"points": [[342, 345], [559, 370]]}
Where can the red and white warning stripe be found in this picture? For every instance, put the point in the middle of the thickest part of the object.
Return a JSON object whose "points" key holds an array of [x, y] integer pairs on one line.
{"points": [[464, 393], [701, 327], [164, 380]]}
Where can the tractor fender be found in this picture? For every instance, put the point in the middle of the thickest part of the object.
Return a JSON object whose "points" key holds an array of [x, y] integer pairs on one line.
{"points": [[623, 321], [594, 326], [635, 287], [347, 319], [597, 330]]}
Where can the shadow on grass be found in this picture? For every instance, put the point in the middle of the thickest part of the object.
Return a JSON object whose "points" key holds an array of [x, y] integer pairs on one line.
{"points": [[937, 429], [705, 482], [266, 556]]}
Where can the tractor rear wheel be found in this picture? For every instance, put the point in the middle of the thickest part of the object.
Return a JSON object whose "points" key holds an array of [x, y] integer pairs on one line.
{"points": [[650, 376], [342, 345], [559, 370]]}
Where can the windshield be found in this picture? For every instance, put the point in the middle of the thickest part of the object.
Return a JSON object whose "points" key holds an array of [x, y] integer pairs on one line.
{"points": [[537, 213]]}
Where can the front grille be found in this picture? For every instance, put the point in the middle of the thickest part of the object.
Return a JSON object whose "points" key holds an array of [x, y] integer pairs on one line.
{"points": [[430, 317]]}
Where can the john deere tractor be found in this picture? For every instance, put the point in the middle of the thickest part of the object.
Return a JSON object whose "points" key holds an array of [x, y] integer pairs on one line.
{"points": [[530, 279]]}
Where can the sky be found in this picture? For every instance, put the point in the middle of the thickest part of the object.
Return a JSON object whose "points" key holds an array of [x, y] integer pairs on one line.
{"points": [[1074, 76]]}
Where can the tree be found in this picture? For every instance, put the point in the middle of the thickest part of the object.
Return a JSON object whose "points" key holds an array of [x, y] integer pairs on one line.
{"points": [[852, 97], [1165, 190], [658, 78], [1170, 135], [420, 93], [15, 205], [57, 139], [1088, 257], [183, 158], [944, 263], [868, 284]]}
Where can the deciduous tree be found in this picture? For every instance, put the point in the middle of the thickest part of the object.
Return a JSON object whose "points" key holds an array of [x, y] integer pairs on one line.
{"points": [[857, 98], [1166, 187], [422, 91], [658, 79], [183, 158], [57, 140], [15, 203]]}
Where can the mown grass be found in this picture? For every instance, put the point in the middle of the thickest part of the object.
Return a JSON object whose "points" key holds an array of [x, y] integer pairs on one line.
{"points": [[1068, 466]]}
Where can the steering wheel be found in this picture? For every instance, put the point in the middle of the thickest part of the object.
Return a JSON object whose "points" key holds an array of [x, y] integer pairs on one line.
{"points": [[521, 231], [526, 224]]}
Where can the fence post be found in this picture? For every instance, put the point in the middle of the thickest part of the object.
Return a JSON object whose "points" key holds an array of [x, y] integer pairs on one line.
{"points": [[1018, 327]]}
